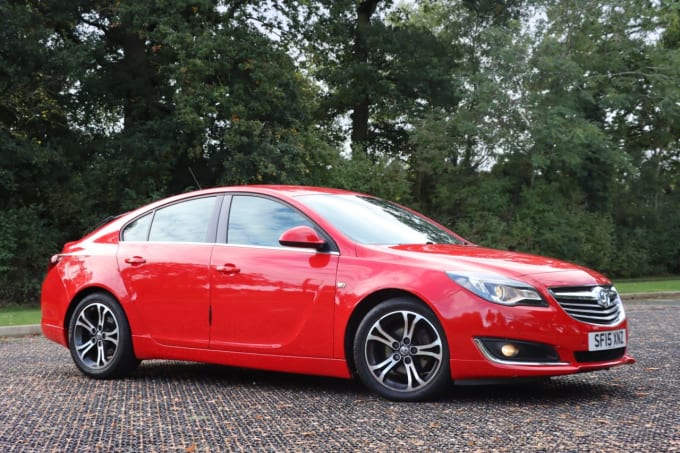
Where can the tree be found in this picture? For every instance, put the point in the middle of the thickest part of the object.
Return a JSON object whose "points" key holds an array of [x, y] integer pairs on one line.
{"points": [[185, 88], [454, 142], [377, 67], [108, 105], [36, 150]]}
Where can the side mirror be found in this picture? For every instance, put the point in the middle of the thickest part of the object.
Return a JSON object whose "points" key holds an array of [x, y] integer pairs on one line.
{"points": [[302, 236]]}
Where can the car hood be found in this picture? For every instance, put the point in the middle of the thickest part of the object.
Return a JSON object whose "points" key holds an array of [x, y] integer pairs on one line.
{"points": [[466, 258]]}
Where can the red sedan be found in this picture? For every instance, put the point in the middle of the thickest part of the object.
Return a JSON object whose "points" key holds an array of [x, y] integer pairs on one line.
{"points": [[327, 282]]}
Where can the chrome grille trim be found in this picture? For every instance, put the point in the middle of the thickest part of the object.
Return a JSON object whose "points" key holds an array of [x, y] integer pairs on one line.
{"points": [[600, 305]]}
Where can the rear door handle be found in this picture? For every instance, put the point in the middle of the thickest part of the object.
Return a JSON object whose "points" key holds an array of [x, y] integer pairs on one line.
{"points": [[135, 260], [228, 269]]}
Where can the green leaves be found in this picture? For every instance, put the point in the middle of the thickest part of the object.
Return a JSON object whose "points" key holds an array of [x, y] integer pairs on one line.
{"points": [[541, 125], [378, 69]]}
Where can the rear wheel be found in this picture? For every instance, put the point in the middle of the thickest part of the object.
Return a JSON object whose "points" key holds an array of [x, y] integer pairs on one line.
{"points": [[400, 351], [99, 338]]}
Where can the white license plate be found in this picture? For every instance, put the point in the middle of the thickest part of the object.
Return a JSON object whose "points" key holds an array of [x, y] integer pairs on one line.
{"points": [[610, 339]]}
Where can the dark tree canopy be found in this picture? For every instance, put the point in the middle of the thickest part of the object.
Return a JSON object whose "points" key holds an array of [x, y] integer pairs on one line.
{"points": [[545, 126]]}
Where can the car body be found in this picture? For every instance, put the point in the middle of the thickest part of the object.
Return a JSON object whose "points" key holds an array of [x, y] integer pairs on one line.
{"points": [[326, 282]]}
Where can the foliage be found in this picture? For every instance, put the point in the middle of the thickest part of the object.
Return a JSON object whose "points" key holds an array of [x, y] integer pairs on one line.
{"points": [[537, 125], [107, 105], [565, 120], [370, 61]]}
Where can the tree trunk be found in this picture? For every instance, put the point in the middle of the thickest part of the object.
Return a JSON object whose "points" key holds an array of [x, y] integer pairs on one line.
{"points": [[360, 112]]}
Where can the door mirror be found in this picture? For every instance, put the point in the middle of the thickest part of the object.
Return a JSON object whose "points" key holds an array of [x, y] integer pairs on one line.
{"points": [[302, 236]]}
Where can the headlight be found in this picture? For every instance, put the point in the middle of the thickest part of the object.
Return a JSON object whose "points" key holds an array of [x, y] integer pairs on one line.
{"points": [[498, 289]]}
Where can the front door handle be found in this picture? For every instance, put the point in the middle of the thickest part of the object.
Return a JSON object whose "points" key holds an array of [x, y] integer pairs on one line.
{"points": [[135, 260], [228, 269]]}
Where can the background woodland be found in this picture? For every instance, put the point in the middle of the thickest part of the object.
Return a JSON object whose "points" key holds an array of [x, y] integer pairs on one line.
{"points": [[545, 126]]}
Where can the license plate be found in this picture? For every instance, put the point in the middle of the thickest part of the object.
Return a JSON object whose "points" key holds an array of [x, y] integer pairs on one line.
{"points": [[610, 339]]}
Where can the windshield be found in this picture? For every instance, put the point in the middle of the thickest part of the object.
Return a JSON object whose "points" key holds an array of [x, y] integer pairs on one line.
{"points": [[369, 220]]}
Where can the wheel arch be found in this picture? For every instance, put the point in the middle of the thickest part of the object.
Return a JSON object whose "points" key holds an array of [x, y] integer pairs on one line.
{"points": [[360, 311]]}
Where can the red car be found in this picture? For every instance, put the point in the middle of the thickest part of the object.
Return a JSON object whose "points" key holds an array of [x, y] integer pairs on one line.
{"points": [[326, 282]]}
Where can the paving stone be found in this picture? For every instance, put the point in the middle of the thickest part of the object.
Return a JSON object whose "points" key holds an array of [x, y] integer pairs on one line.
{"points": [[46, 405]]}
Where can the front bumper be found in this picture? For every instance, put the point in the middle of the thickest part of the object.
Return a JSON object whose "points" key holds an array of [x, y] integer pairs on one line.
{"points": [[485, 369], [473, 322]]}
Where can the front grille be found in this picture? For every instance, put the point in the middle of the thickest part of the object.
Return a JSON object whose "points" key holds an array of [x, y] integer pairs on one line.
{"points": [[599, 356], [592, 304]]}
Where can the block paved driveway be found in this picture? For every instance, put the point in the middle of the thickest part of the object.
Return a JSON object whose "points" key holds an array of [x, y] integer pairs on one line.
{"points": [[46, 405]]}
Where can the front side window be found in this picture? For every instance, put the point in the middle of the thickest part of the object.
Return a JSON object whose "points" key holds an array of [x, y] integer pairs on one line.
{"points": [[261, 221], [138, 230], [187, 221]]}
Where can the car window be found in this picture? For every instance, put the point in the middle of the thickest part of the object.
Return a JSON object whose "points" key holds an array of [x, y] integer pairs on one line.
{"points": [[370, 220], [261, 221], [187, 221], [138, 230]]}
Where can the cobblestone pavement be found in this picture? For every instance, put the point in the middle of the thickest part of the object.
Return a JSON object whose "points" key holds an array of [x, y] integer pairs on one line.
{"points": [[47, 405]]}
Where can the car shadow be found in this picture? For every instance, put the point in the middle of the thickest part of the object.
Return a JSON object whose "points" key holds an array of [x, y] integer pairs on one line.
{"points": [[547, 391], [178, 371], [564, 389]]}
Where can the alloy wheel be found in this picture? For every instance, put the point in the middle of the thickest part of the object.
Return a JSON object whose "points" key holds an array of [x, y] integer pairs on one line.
{"points": [[403, 351], [96, 335]]}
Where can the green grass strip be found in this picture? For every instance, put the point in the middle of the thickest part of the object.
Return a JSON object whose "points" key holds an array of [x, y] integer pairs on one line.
{"points": [[647, 286], [17, 316]]}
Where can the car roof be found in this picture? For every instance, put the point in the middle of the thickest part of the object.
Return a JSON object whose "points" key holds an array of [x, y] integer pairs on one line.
{"points": [[287, 190], [284, 191]]}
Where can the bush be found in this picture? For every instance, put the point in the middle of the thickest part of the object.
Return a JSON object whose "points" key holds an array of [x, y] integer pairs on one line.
{"points": [[25, 245]]}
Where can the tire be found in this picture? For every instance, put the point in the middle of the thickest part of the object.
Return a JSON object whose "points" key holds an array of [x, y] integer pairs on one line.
{"points": [[401, 352], [99, 338]]}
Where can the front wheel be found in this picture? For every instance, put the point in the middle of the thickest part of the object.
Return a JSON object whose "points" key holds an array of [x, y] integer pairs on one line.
{"points": [[99, 338], [400, 351]]}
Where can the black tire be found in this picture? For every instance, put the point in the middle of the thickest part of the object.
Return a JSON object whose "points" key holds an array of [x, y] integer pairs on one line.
{"points": [[401, 352], [99, 338]]}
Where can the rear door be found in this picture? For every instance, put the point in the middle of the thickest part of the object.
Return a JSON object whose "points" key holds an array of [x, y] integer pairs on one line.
{"points": [[164, 259]]}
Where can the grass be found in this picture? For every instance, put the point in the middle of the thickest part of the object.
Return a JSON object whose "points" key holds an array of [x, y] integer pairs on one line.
{"points": [[16, 316], [648, 286]]}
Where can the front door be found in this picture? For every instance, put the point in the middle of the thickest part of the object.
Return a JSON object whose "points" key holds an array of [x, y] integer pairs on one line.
{"points": [[267, 298]]}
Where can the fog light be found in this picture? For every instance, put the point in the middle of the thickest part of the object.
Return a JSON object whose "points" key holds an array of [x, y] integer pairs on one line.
{"points": [[509, 350]]}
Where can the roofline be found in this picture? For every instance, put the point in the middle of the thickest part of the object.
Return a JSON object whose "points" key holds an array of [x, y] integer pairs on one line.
{"points": [[271, 189]]}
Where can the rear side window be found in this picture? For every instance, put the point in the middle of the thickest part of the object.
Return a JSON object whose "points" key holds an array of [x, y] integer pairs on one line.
{"points": [[187, 221]]}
